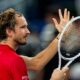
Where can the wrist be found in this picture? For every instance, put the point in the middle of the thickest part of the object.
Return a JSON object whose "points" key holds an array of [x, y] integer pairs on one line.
{"points": [[58, 36]]}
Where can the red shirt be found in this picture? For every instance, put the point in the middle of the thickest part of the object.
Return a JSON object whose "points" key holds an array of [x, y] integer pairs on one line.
{"points": [[12, 66]]}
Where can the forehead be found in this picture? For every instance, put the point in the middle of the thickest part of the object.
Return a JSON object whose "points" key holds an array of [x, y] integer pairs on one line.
{"points": [[20, 20]]}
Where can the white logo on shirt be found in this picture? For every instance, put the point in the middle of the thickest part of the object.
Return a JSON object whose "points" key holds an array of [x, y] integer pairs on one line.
{"points": [[25, 78]]}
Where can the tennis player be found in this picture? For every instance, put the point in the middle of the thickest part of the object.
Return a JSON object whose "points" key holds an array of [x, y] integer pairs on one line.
{"points": [[14, 32]]}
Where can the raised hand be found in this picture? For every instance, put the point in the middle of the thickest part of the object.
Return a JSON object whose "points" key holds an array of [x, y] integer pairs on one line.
{"points": [[63, 20]]}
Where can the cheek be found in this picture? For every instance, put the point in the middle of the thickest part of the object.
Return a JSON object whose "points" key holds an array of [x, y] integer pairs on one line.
{"points": [[17, 34], [20, 35], [20, 32], [17, 38]]}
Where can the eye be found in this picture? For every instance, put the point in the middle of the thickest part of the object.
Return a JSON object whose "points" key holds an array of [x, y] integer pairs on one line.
{"points": [[24, 26]]}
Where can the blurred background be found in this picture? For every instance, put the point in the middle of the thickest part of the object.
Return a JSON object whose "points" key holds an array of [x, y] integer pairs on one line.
{"points": [[39, 15]]}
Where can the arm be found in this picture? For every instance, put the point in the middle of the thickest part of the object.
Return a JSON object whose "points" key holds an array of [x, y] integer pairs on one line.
{"points": [[42, 58]]}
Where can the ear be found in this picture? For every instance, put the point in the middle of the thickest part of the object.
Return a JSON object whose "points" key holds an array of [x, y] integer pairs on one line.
{"points": [[9, 32]]}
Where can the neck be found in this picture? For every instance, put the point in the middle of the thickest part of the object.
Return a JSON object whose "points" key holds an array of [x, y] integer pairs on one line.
{"points": [[10, 43]]}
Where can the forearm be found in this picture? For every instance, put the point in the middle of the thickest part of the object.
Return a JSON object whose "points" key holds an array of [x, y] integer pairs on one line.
{"points": [[41, 59], [46, 55]]}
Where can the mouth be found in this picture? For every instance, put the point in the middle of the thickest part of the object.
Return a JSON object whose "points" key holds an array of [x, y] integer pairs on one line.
{"points": [[26, 36]]}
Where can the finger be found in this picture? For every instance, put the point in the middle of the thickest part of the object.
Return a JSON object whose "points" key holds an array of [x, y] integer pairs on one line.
{"points": [[65, 74], [56, 24], [56, 70], [68, 15], [65, 13], [55, 21], [60, 14], [72, 17]]}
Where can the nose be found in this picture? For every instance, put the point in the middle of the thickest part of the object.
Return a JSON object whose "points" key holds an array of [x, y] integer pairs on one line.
{"points": [[27, 31]]}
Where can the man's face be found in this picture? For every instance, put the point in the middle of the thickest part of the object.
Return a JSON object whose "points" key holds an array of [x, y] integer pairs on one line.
{"points": [[21, 31]]}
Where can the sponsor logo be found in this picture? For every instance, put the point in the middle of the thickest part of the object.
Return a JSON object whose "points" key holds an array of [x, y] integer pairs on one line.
{"points": [[25, 78]]}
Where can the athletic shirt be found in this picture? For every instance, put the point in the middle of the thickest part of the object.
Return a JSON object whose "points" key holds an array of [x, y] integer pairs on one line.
{"points": [[12, 66]]}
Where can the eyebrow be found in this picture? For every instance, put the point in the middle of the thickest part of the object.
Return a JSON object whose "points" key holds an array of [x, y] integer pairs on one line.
{"points": [[23, 26]]}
